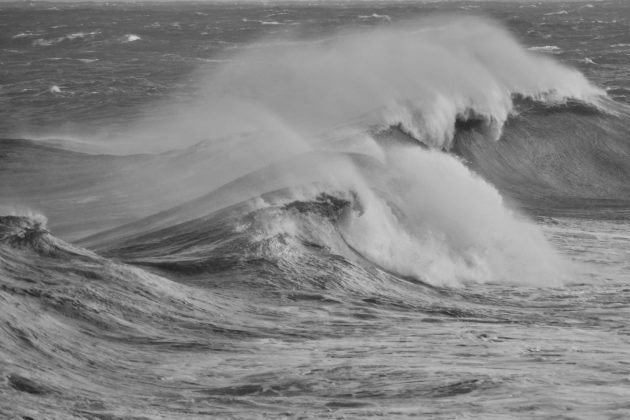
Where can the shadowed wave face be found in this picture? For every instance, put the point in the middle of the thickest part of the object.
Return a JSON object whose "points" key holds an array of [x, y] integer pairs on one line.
{"points": [[363, 194]]}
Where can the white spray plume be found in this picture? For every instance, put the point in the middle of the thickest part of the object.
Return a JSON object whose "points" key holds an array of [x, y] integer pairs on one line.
{"points": [[422, 75]]}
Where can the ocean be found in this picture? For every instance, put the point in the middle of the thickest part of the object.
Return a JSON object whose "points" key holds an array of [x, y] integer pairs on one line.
{"points": [[315, 210]]}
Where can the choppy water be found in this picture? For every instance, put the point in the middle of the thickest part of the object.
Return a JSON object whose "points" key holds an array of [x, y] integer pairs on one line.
{"points": [[315, 211]]}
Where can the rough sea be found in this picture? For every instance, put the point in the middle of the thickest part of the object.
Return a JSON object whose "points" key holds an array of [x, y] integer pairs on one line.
{"points": [[315, 210]]}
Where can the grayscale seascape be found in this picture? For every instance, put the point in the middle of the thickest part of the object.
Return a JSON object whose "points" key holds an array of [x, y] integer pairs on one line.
{"points": [[315, 210]]}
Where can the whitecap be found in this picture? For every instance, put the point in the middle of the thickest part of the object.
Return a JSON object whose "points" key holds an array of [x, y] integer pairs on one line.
{"points": [[131, 38], [262, 22], [561, 12], [42, 42], [545, 48], [27, 34], [79, 35], [376, 16]]}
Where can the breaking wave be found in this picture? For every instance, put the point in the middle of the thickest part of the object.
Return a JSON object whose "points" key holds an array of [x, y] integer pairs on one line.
{"points": [[359, 149]]}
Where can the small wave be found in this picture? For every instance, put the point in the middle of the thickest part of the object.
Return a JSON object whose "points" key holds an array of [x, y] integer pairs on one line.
{"points": [[81, 35], [376, 16], [54, 89], [44, 42], [214, 60], [560, 12], [545, 48], [263, 22], [131, 38], [27, 34]]}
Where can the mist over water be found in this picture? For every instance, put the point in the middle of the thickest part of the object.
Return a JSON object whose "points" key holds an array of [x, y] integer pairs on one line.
{"points": [[385, 211]]}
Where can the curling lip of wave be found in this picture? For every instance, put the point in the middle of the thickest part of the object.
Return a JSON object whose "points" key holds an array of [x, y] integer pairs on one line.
{"points": [[28, 232], [21, 230]]}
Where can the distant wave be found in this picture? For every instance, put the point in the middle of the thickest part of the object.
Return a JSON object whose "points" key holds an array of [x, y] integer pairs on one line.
{"points": [[46, 42], [559, 12], [263, 22], [26, 34], [131, 38], [545, 48], [376, 16]]}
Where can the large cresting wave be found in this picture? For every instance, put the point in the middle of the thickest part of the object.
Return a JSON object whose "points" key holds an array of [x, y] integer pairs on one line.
{"points": [[370, 118]]}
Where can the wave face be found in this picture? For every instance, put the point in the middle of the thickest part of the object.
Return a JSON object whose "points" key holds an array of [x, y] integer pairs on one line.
{"points": [[570, 156], [326, 223]]}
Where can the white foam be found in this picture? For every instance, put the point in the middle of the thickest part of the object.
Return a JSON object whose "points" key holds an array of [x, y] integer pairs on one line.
{"points": [[560, 12], [27, 34], [450, 227], [545, 48], [263, 22], [43, 42], [376, 16], [131, 38]]}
